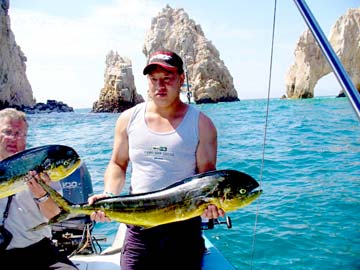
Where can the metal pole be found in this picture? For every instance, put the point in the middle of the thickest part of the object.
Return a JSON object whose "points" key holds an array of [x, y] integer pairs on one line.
{"points": [[342, 76], [188, 94]]}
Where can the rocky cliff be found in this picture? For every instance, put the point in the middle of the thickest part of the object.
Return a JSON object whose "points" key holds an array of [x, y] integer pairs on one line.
{"points": [[208, 76], [310, 64], [15, 89], [119, 91]]}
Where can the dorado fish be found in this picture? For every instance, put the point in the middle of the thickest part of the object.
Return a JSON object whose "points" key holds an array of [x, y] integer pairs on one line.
{"points": [[188, 198], [58, 161]]}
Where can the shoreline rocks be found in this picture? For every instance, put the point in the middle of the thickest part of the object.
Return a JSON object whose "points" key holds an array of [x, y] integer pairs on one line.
{"points": [[49, 107]]}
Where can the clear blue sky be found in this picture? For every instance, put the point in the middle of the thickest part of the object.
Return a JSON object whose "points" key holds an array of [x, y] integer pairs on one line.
{"points": [[66, 41]]}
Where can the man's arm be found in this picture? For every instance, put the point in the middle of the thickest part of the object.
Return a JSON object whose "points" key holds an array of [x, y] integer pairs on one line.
{"points": [[206, 152], [206, 155]]}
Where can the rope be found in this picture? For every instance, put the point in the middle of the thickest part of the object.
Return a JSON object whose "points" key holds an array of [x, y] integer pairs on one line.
{"points": [[87, 241], [265, 133]]}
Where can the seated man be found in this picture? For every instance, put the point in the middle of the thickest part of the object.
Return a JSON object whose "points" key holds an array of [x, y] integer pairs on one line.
{"points": [[27, 209]]}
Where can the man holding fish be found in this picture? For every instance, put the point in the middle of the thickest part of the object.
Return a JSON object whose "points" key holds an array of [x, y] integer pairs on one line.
{"points": [[27, 249], [165, 140]]}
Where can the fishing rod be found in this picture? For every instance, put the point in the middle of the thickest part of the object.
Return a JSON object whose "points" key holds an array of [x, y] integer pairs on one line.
{"points": [[337, 67]]}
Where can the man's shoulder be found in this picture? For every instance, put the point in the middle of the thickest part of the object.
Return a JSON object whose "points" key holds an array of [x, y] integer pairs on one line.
{"points": [[206, 123], [128, 112], [128, 115]]}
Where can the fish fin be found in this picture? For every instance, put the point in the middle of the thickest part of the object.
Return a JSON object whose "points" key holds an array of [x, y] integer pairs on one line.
{"points": [[63, 215], [38, 227]]}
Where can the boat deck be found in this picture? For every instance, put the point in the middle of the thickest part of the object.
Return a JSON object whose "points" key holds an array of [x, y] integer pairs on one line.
{"points": [[109, 259]]}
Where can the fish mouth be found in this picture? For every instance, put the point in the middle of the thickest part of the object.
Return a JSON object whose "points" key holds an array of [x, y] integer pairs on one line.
{"points": [[255, 193], [252, 196]]}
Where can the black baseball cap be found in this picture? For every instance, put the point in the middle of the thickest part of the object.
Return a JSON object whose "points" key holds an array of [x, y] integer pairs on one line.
{"points": [[166, 59]]}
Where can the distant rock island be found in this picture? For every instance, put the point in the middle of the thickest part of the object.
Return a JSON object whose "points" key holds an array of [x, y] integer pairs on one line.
{"points": [[310, 64], [119, 91], [15, 89]]}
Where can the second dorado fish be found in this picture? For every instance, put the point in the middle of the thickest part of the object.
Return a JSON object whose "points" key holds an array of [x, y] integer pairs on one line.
{"points": [[58, 161]]}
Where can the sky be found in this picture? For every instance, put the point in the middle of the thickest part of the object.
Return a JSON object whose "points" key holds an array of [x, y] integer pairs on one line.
{"points": [[66, 42]]}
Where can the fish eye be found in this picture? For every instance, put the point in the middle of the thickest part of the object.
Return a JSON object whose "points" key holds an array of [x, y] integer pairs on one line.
{"points": [[66, 163], [242, 191]]}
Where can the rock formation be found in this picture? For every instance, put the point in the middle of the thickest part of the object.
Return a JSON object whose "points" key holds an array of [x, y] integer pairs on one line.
{"points": [[15, 89], [310, 64], [208, 76], [48, 107], [119, 91]]}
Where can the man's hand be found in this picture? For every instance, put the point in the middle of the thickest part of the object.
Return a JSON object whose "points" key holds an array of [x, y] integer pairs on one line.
{"points": [[98, 216], [33, 184], [213, 212]]}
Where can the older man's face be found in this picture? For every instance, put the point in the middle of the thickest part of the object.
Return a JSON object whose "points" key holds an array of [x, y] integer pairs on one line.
{"points": [[12, 137]]}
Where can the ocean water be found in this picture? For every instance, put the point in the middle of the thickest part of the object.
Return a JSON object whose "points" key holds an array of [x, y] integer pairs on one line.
{"points": [[306, 157]]}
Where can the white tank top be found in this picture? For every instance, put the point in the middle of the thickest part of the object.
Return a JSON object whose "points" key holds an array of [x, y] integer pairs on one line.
{"points": [[159, 159]]}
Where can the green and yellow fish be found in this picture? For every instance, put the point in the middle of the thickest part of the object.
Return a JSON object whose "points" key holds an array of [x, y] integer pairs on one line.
{"points": [[58, 161], [188, 198]]}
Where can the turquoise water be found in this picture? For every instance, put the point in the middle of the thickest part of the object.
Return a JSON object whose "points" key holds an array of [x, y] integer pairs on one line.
{"points": [[309, 169]]}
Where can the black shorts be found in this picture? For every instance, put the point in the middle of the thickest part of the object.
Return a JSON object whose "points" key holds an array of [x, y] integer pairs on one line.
{"points": [[42, 255], [178, 245]]}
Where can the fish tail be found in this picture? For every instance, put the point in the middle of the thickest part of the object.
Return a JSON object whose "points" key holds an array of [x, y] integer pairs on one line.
{"points": [[66, 207], [63, 215]]}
